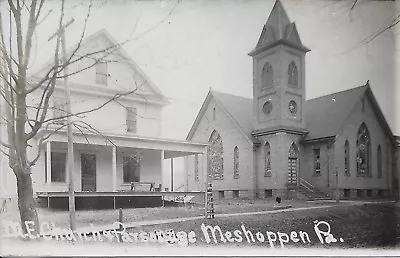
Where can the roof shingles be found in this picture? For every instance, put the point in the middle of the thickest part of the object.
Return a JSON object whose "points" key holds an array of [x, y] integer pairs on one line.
{"points": [[324, 115]]}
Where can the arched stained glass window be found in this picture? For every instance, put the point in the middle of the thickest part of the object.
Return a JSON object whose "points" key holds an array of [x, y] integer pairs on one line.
{"points": [[267, 76], [346, 158], [379, 153], [267, 159], [216, 156], [236, 162], [293, 76], [363, 151]]}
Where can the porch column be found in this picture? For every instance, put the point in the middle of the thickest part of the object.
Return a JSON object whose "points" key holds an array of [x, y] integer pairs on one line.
{"points": [[162, 170], [48, 161], [172, 175], [114, 168]]}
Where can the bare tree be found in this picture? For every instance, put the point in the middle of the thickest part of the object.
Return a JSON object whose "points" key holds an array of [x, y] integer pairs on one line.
{"points": [[24, 120]]}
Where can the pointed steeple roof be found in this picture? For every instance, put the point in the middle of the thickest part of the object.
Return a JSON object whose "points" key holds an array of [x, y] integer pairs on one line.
{"points": [[279, 29]]}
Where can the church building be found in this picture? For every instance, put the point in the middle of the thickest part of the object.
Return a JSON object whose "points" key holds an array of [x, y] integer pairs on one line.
{"points": [[280, 144]]}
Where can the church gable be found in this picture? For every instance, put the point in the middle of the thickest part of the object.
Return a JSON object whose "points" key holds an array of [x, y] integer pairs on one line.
{"points": [[216, 112]]}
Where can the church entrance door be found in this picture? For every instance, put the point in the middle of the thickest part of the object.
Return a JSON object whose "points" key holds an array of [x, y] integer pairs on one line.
{"points": [[293, 165]]}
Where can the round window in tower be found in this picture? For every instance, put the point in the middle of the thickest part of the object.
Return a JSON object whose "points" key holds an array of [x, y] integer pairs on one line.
{"points": [[267, 107], [292, 107]]}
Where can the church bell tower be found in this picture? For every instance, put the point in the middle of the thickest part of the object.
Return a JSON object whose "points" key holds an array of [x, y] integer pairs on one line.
{"points": [[279, 77]]}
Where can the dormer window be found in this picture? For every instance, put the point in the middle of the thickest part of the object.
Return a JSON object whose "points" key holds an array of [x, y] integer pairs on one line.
{"points": [[101, 73]]}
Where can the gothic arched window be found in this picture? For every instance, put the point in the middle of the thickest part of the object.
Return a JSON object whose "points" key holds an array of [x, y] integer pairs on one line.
{"points": [[267, 76], [346, 158], [216, 156], [363, 151], [293, 76], [379, 153], [236, 162], [267, 159]]}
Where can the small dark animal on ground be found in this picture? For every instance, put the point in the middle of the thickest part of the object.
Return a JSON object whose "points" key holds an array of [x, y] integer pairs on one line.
{"points": [[278, 199]]}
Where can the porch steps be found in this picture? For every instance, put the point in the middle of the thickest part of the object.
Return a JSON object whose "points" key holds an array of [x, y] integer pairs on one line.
{"points": [[313, 193]]}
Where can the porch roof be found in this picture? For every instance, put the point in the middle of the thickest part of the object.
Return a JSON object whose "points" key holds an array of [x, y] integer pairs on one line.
{"points": [[171, 148]]}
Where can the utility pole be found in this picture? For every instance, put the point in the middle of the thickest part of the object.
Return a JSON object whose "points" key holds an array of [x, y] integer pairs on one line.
{"points": [[70, 157], [337, 186]]}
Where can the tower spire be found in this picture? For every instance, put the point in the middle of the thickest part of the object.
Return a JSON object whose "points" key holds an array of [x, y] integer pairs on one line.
{"points": [[278, 29]]}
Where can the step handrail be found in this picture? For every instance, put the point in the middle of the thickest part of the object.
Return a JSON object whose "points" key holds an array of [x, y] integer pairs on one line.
{"points": [[304, 183]]}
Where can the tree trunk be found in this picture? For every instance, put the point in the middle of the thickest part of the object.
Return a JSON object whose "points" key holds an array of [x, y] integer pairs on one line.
{"points": [[26, 204]]}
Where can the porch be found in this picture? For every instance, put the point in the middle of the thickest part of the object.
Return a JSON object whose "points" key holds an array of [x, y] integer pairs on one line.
{"points": [[110, 171]]}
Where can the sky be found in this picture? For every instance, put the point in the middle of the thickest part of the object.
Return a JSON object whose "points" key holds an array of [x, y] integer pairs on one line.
{"points": [[188, 47]]}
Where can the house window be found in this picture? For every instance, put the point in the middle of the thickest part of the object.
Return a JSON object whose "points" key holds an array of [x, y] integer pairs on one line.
{"points": [[216, 156], [267, 80], [131, 119], [101, 73], [267, 159], [346, 158], [59, 110], [221, 194], [369, 192], [317, 161], [130, 169], [196, 167], [268, 193], [363, 151], [236, 162], [359, 193], [346, 193], [293, 77], [58, 166], [235, 193], [379, 153]]}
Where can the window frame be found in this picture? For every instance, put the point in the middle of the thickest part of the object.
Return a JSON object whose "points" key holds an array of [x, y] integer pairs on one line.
{"points": [[53, 169], [126, 159], [293, 75], [317, 161], [236, 162], [59, 109], [131, 123], [101, 76], [267, 160], [267, 76], [346, 158], [363, 132], [379, 161], [196, 167]]}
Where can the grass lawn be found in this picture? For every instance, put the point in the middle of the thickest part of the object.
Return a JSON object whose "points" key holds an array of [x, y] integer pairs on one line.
{"points": [[104, 217], [368, 225]]}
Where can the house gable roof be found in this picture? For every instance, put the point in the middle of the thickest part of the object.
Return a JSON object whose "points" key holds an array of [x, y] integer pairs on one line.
{"points": [[116, 49]]}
